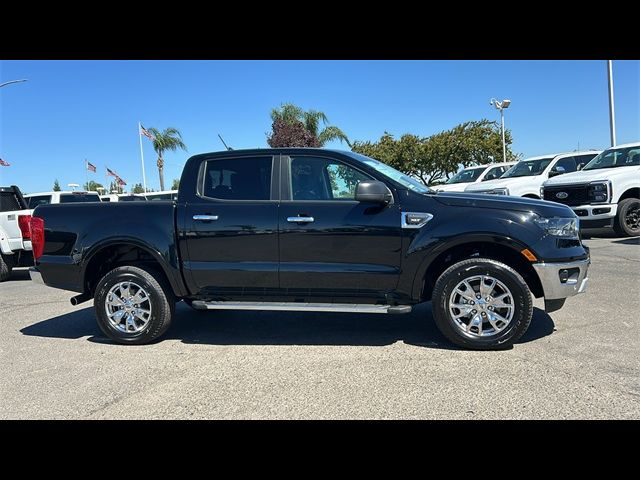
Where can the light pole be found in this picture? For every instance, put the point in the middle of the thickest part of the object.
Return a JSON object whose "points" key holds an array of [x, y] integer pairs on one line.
{"points": [[612, 114], [12, 81], [501, 106]]}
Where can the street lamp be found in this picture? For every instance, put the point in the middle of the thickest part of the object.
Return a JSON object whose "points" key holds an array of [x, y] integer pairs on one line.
{"points": [[501, 106], [73, 186], [12, 81]]}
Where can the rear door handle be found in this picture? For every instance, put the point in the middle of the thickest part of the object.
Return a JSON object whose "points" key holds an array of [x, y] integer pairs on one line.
{"points": [[205, 218], [300, 219]]}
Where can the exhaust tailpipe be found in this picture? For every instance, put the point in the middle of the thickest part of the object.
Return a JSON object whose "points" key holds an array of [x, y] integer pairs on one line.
{"points": [[78, 299]]}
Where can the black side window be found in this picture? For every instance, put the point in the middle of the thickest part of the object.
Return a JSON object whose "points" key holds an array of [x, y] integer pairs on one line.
{"points": [[569, 164], [584, 159], [39, 200], [315, 178], [494, 173], [238, 178]]}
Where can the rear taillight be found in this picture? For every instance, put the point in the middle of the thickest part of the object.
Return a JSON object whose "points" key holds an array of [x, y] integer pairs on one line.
{"points": [[23, 223], [37, 236]]}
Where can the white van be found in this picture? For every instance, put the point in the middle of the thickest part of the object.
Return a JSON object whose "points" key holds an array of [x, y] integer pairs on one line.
{"points": [[123, 197], [471, 175], [526, 177]]}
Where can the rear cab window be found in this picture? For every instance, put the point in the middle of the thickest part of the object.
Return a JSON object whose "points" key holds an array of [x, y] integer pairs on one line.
{"points": [[36, 200], [246, 178], [77, 197]]}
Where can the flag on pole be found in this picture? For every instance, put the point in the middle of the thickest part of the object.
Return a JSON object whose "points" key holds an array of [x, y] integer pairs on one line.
{"points": [[3, 163], [111, 173], [146, 133], [91, 167], [120, 181]]}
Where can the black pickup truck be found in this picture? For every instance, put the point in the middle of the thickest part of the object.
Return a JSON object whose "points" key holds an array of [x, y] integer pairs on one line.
{"points": [[312, 230]]}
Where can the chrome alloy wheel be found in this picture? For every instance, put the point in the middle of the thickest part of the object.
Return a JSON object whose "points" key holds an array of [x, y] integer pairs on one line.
{"points": [[128, 307], [481, 306]]}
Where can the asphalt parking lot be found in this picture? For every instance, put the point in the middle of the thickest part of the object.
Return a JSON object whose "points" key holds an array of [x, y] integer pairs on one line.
{"points": [[580, 362]]}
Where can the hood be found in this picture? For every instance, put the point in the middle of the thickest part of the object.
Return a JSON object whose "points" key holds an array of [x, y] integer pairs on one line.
{"points": [[499, 182], [585, 176], [452, 187], [501, 202]]}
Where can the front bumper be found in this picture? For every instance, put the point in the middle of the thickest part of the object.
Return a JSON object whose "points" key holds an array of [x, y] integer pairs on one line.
{"points": [[594, 216], [553, 286], [36, 276]]}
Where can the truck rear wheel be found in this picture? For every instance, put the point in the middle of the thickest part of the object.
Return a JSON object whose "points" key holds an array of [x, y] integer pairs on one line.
{"points": [[5, 268], [133, 305], [482, 304], [627, 221]]}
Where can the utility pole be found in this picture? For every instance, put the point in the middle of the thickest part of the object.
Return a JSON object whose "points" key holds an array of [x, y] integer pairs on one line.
{"points": [[612, 113]]}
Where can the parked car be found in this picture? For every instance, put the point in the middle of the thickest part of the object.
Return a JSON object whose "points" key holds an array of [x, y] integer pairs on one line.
{"points": [[162, 195], [45, 198], [15, 235], [605, 193], [525, 178], [303, 229], [471, 175]]}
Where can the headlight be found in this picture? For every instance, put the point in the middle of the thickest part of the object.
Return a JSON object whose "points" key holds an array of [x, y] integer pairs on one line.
{"points": [[542, 192], [599, 192], [559, 227], [499, 191]]}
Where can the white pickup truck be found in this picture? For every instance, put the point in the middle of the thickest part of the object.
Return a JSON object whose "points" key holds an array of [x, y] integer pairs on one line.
{"points": [[471, 175], [526, 177], [15, 235], [46, 198], [605, 193]]}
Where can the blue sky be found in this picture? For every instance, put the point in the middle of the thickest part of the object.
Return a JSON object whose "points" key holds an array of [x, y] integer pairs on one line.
{"points": [[72, 110]]}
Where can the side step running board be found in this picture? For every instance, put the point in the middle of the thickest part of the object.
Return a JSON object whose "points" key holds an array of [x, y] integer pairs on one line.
{"points": [[302, 307]]}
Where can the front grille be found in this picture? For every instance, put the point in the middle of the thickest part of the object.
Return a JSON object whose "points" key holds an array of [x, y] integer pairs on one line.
{"points": [[575, 194]]}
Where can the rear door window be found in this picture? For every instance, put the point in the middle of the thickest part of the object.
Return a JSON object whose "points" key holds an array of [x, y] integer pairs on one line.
{"points": [[33, 202], [247, 178]]}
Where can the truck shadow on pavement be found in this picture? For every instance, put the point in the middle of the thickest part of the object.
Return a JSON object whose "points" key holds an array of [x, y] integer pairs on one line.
{"points": [[283, 328]]}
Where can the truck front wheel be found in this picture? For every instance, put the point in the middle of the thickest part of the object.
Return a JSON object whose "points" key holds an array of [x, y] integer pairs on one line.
{"points": [[482, 304], [627, 221], [133, 305]]}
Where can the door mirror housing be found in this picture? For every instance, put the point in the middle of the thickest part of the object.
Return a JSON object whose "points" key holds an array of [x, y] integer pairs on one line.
{"points": [[373, 191], [557, 170]]}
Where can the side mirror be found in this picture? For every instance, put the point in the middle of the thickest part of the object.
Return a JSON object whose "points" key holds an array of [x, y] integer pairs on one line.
{"points": [[580, 165], [558, 170], [373, 191]]}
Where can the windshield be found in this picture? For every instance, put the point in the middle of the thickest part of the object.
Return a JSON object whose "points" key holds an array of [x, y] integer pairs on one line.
{"points": [[392, 173], [612, 158], [528, 168], [78, 197], [466, 175]]}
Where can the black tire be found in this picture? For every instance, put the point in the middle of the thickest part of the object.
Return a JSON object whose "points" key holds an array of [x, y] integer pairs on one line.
{"points": [[627, 221], [5, 268], [161, 299], [451, 277]]}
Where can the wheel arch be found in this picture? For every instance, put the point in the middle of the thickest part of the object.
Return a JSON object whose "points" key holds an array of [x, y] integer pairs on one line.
{"points": [[505, 250], [109, 255]]}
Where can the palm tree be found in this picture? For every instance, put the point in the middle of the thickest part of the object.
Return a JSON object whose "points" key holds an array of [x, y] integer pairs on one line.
{"points": [[171, 140], [291, 113]]}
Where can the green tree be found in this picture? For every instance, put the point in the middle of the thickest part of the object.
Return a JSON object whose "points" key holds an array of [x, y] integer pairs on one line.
{"points": [[432, 159], [56, 186], [137, 188], [175, 184], [312, 121], [92, 186], [168, 140]]}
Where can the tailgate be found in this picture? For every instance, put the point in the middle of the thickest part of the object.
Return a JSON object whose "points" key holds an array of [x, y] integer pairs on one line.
{"points": [[10, 234]]}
